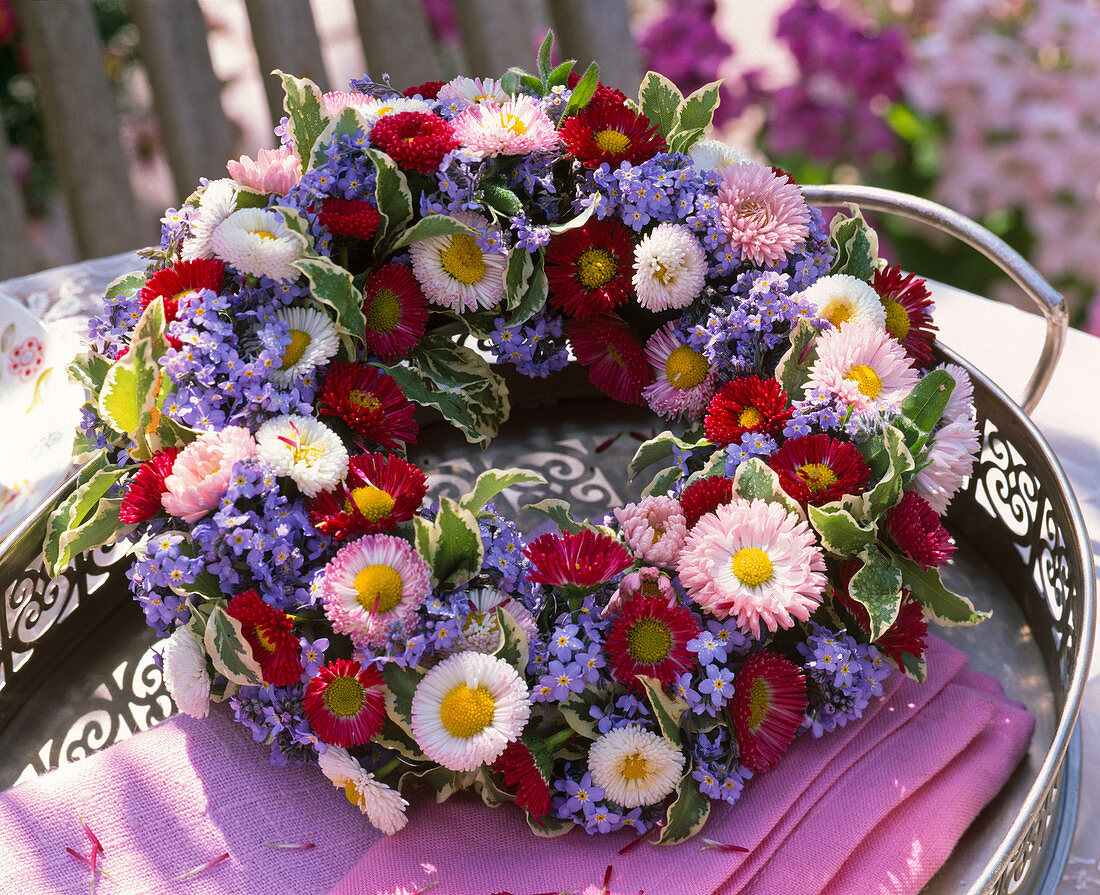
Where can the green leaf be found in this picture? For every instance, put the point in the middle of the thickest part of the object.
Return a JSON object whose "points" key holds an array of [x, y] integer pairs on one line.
{"points": [[393, 737], [493, 481], [533, 297], [755, 480], [517, 277], [443, 782], [401, 684], [513, 647], [458, 551], [914, 667], [132, 384], [877, 586], [576, 711], [89, 369], [687, 815], [657, 448], [941, 605], [663, 481], [666, 709], [334, 287], [695, 116], [502, 199], [394, 201], [126, 285], [344, 125], [855, 242], [557, 510], [584, 91], [841, 533], [793, 369], [560, 75], [229, 651], [431, 226], [660, 102], [887, 491], [98, 529], [548, 827], [247, 198], [925, 404], [579, 221], [491, 794], [509, 82], [545, 63], [306, 113], [459, 382]]}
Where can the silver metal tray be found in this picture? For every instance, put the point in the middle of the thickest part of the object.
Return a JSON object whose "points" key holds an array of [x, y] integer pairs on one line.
{"points": [[76, 674]]}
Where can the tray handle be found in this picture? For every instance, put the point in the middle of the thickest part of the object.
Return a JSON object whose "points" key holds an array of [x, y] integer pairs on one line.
{"points": [[1011, 262]]}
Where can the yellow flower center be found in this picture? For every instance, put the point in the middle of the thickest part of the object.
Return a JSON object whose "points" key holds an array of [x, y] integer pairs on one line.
{"points": [[363, 401], [759, 702], [752, 566], [384, 311], [384, 110], [299, 342], [838, 312], [634, 766], [263, 635], [465, 712], [685, 368], [662, 274], [897, 319], [750, 418], [650, 641], [373, 503], [304, 452], [378, 588], [263, 234], [463, 260], [596, 268], [816, 476], [612, 141], [511, 123], [866, 378], [344, 697], [352, 793]]}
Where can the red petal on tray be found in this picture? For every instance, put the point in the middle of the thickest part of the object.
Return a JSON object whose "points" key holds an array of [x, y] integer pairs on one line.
{"points": [[202, 868]]}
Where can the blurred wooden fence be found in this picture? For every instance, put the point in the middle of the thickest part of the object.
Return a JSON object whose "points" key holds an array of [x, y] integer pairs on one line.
{"points": [[82, 124]]}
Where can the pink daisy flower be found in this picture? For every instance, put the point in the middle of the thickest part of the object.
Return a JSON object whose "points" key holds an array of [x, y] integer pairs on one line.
{"points": [[518, 127], [961, 403], [576, 561], [952, 460], [370, 584], [684, 381], [200, 475], [756, 562], [647, 581], [654, 529], [274, 171], [764, 215], [863, 366]]}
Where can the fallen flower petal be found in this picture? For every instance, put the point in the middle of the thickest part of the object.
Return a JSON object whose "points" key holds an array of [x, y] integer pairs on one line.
{"points": [[293, 846], [721, 846], [96, 844], [224, 856], [85, 860]]}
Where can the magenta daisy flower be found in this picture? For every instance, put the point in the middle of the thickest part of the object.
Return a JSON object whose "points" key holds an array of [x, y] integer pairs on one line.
{"points": [[612, 133], [764, 215], [396, 312], [769, 699], [370, 402], [142, 498], [747, 404], [816, 469], [345, 703], [756, 562], [654, 528], [589, 268], [684, 381], [380, 491], [372, 583], [520, 770], [705, 496], [577, 561], [650, 637], [916, 528], [908, 307], [863, 366], [415, 140], [616, 360]]}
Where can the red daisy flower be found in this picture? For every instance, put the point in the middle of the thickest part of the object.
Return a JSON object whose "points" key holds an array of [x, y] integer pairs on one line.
{"points": [[908, 635], [610, 132], [174, 282], [705, 496], [816, 468], [747, 404], [345, 703], [356, 218], [614, 356], [908, 306], [519, 769], [589, 269], [142, 497], [415, 140], [650, 637], [576, 561], [380, 491], [270, 634], [396, 312], [370, 402], [916, 528], [427, 90], [769, 700]]}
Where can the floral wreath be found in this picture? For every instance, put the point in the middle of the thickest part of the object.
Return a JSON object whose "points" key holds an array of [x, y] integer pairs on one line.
{"points": [[252, 397]]}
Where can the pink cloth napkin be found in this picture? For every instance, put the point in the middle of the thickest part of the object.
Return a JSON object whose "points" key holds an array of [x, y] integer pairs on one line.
{"points": [[844, 814]]}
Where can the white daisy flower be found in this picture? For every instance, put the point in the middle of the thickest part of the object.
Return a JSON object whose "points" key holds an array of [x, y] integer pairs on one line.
{"points": [[313, 340], [467, 709], [961, 403], [481, 632], [471, 91], [217, 202], [714, 155], [634, 766], [669, 268], [185, 672], [454, 272], [383, 806], [841, 299], [371, 108], [304, 449], [258, 242]]}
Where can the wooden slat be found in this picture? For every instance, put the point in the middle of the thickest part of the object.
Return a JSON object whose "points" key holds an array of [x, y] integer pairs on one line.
{"points": [[15, 252], [397, 40], [285, 37], [81, 126], [197, 135], [497, 34], [599, 31]]}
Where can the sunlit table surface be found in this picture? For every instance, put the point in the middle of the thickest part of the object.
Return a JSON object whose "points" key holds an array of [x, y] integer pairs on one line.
{"points": [[998, 339]]}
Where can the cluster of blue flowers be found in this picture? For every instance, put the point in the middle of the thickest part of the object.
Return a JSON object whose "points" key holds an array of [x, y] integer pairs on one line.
{"points": [[570, 656], [719, 774], [275, 716], [536, 348], [577, 798], [847, 674]]}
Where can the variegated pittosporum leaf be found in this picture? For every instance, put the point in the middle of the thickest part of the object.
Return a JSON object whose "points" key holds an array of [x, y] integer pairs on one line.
{"points": [[939, 604], [877, 586], [755, 480], [687, 815], [793, 370], [394, 201], [229, 651], [450, 544], [840, 532], [492, 482], [306, 113], [855, 242], [657, 448]]}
